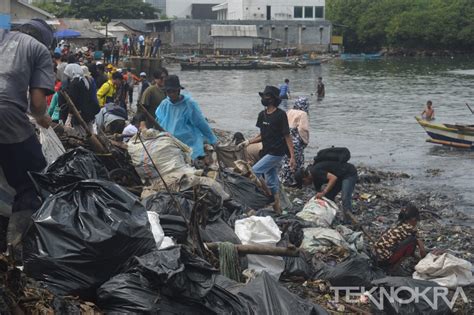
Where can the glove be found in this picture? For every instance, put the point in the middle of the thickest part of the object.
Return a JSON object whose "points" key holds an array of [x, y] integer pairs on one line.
{"points": [[243, 144]]}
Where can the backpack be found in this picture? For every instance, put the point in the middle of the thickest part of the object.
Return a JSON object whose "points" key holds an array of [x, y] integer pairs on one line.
{"points": [[341, 155]]}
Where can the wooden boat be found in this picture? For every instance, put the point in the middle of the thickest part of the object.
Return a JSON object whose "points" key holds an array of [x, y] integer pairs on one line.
{"points": [[239, 65], [457, 135], [362, 56]]}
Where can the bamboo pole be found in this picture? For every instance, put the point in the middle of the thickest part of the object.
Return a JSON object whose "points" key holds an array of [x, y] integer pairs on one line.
{"points": [[261, 250]]}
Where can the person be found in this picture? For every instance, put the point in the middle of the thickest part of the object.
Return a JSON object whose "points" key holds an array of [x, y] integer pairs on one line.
{"points": [[181, 116], [121, 95], [26, 67], [338, 177], [133, 45], [93, 86], [299, 130], [144, 84], [101, 76], [107, 49], [138, 122], [428, 112], [148, 46], [155, 94], [156, 46], [125, 44], [80, 91], [141, 44], [400, 241], [53, 109], [320, 89], [111, 119], [116, 53], [106, 93], [275, 137], [285, 94], [128, 77]]}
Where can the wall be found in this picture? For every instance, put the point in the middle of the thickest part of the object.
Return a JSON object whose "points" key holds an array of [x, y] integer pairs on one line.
{"points": [[305, 35], [233, 43], [257, 9], [5, 6], [182, 8], [19, 11]]}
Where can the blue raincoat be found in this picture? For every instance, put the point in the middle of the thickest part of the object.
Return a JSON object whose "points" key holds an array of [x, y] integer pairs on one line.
{"points": [[185, 121]]}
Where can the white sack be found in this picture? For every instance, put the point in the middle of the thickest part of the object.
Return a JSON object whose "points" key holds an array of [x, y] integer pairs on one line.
{"points": [[261, 231], [50, 144], [446, 270], [320, 211]]}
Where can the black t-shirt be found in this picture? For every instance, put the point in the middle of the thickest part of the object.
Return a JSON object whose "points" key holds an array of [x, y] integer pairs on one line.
{"points": [[320, 171], [273, 129]]}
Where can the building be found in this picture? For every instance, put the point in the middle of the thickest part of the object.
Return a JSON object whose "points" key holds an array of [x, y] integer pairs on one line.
{"points": [[18, 12], [234, 37], [191, 9], [270, 10]]}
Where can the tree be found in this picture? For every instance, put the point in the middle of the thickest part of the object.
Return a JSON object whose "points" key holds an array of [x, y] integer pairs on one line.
{"points": [[97, 9]]}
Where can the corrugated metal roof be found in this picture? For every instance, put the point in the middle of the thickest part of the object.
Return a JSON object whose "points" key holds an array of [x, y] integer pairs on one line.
{"points": [[233, 30]]}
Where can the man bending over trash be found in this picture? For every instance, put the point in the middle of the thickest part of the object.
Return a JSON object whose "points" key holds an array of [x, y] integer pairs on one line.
{"points": [[276, 140], [181, 116], [26, 65]]}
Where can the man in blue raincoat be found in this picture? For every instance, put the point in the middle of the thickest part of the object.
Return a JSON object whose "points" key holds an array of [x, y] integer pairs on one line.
{"points": [[181, 116]]}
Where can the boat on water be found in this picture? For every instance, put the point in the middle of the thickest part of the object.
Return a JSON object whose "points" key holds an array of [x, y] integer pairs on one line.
{"points": [[362, 56], [239, 65], [457, 135]]}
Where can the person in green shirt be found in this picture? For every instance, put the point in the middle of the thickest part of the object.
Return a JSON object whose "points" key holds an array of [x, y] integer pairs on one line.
{"points": [[154, 94]]}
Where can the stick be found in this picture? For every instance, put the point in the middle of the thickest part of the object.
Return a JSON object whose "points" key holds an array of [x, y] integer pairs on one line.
{"points": [[150, 117], [472, 112], [356, 222], [261, 250], [95, 143]]}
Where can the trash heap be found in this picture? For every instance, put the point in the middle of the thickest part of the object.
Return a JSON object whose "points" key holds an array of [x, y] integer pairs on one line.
{"points": [[149, 233]]}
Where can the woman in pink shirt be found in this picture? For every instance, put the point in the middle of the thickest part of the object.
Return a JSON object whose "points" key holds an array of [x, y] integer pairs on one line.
{"points": [[299, 130]]}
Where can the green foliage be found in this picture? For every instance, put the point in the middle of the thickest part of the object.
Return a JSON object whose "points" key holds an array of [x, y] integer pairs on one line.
{"points": [[96, 10], [414, 24]]}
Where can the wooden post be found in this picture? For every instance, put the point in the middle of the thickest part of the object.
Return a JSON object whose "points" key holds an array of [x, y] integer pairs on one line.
{"points": [[261, 250]]}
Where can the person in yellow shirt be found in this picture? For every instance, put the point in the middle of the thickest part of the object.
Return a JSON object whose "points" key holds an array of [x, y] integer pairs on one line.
{"points": [[106, 93]]}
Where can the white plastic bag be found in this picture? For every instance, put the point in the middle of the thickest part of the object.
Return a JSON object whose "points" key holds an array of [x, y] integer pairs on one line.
{"points": [[50, 144], [320, 211], [261, 231], [446, 270], [156, 228]]}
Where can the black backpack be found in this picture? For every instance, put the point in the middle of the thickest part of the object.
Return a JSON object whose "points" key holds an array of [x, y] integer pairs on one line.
{"points": [[341, 155]]}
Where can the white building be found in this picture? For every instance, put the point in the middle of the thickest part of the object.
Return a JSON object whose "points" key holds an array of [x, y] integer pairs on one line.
{"points": [[183, 9], [270, 10]]}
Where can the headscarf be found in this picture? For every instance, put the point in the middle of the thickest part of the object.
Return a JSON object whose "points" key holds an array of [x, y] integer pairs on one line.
{"points": [[74, 71], [86, 71], [301, 103]]}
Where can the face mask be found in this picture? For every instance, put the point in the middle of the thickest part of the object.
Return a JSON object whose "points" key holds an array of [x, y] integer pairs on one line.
{"points": [[266, 102]]}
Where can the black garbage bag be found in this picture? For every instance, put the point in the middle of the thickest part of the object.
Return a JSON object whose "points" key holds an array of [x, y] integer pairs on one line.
{"points": [[410, 286], [355, 271], [162, 203], [243, 190], [82, 235], [73, 166], [266, 296], [219, 231], [174, 226], [298, 267], [128, 292]]}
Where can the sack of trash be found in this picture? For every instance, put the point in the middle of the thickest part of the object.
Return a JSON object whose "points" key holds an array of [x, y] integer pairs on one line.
{"points": [[168, 154], [320, 211], [325, 239], [408, 288], [355, 271], [243, 190], [83, 234], [261, 231], [446, 270], [50, 144], [71, 167]]}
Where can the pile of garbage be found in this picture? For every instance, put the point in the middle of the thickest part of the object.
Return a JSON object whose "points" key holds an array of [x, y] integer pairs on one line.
{"points": [[154, 234]]}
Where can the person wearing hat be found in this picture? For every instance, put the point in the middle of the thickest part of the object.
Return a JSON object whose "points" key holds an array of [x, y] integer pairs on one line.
{"points": [[27, 67], [181, 116], [276, 140], [336, 176]]}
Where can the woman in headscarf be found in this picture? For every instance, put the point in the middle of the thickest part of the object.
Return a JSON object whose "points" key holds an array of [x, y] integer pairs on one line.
{"points": [[80, 91], [299, 130]]}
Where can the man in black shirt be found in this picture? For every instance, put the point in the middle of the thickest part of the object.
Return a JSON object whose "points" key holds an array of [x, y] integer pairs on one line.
{"points": [[276, 140], [336, 175]]}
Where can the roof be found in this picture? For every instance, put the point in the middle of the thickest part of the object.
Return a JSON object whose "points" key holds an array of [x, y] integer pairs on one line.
{"points": [[32, 7], [233, 30], [222, 6], [139, 25], [83, 26]]}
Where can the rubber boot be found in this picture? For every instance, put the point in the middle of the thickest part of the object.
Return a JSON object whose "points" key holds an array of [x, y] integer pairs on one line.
{"points": [[276, 204]]}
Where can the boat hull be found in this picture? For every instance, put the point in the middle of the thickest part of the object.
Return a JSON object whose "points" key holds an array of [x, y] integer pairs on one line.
{"points": [[452, 135], [229, 65]]}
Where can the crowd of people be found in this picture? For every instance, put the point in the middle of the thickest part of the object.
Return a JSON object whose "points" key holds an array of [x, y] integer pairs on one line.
{"points": [[131, 45], [103, 95]]}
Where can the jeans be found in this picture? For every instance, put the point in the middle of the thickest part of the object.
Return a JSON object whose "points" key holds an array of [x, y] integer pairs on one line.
{"points": [[268, 167], [346, 187]]}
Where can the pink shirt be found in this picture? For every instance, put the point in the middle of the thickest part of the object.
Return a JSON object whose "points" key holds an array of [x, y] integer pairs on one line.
{"points": [[299, 119]]}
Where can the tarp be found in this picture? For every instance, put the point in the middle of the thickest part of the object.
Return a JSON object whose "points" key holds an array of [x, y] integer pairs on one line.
{"points": [[67, 33]]}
